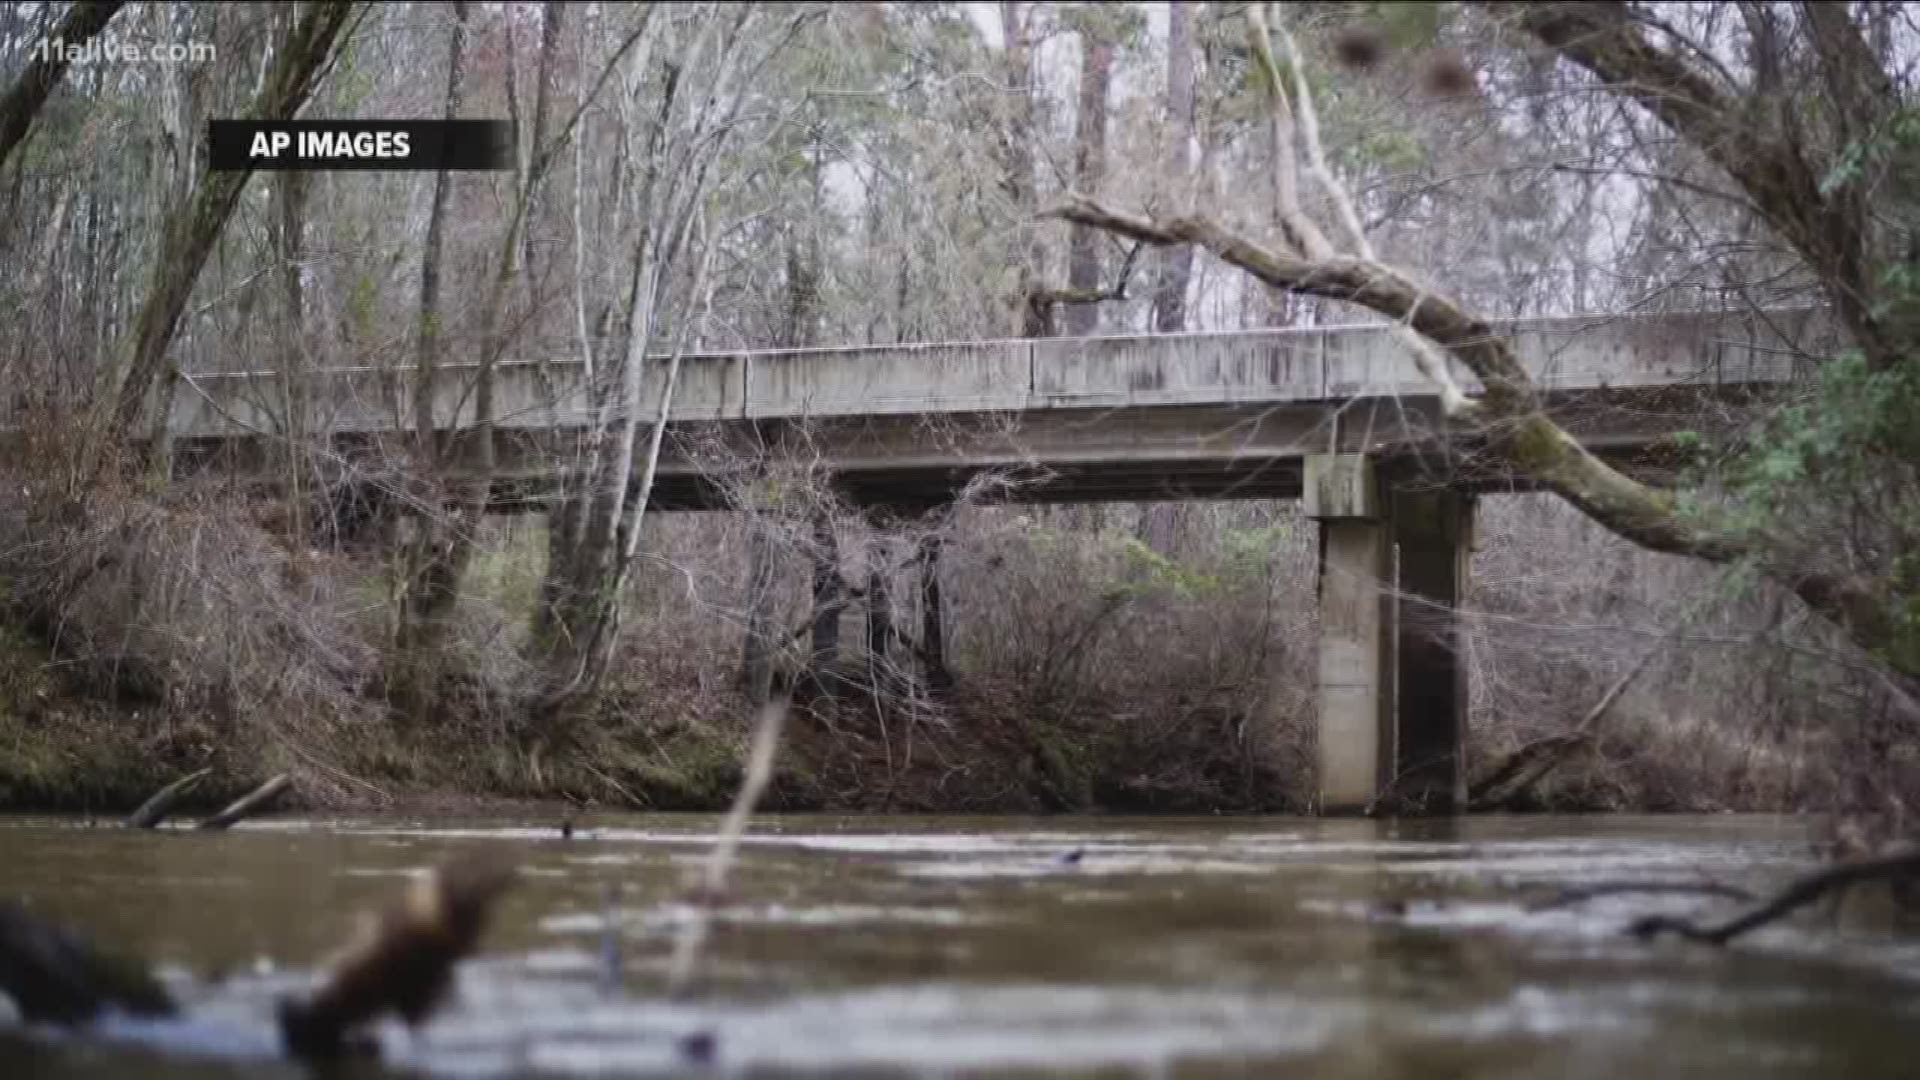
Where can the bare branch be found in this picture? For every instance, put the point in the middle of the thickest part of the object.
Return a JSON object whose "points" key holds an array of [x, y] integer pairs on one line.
{"points": [[1520, 431]]}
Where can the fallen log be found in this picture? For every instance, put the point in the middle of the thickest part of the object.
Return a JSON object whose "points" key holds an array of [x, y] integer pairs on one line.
{"points": [[155, 810], [249, 804], [1521, 770]]}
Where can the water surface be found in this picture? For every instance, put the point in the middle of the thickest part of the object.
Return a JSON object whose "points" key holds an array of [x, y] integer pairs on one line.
{"points": [[1000, 947]]}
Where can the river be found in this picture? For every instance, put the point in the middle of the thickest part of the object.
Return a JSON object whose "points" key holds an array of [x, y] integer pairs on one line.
{"points": [[948, 947]]}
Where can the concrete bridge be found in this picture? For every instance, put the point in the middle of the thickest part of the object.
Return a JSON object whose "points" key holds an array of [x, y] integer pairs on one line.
{"points": [[1336, 416]]}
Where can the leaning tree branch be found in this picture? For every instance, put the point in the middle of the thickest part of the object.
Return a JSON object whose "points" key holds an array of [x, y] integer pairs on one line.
{"points": [[1509, 409], [1069, 294], [1292, 118]]}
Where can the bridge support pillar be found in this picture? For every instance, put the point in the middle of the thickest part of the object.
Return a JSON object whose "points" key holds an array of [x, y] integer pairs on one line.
{"points": [[1392, 693]]}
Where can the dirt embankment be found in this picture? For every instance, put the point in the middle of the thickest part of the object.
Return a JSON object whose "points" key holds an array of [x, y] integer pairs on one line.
{"points": [[65, 747]]}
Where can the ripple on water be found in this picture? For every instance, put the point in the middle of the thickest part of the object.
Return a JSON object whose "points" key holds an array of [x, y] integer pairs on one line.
{"points": [[932, 1028], [663, 916]]}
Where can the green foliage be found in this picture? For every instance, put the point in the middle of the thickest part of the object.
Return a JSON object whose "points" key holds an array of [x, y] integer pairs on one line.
{"points": [[1409, 24], [1151, 572], [1391, 149], [1119, 24], [363, 304], [353, 82], [1250, 551], [1873, 150], [1832, 479], [1856, 415], [1853, 441]]}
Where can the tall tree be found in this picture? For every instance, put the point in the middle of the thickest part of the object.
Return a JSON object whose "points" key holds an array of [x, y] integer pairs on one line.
{"points": [[1089, 168], [191, 230], [1176, 263], [30, 88], [428, 574]]}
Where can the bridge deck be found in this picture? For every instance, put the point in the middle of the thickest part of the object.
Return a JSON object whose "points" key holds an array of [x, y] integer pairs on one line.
{"points": [[1164, 416]]}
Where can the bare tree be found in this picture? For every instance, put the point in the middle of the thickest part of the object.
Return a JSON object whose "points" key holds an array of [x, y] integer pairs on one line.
{"points": [[1089, 166], [191, 231], [1176, 263], [428, 575], [713, 52], [30, 88]]}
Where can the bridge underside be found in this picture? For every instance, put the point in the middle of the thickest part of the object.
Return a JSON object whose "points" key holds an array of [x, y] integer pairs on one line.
{"points": [[1392, 488], [1146, 453]]}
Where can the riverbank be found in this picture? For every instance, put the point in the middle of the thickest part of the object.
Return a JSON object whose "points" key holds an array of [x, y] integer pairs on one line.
{"points": [[63, 748], [670, 745]]}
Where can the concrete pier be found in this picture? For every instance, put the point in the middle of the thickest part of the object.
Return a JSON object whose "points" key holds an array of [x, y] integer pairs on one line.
{"points": [[1394, 557]]}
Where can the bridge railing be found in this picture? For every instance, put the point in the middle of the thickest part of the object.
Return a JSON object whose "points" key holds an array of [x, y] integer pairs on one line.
{"points": [[1286, 365]]}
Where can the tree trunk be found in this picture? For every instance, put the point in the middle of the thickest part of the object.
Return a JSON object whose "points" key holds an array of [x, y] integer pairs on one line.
{"points": [[430, 568], [191, 230], [290, 194], [445, 542], [933, 615], [756, 645], [797, 331], [1176, 263], [825, 636], [1829, 226], [1030, 317], [1090, 162], [29, 91], [879, 610]]}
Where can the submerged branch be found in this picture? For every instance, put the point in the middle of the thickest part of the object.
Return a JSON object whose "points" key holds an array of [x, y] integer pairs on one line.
{"points": [[1798, 893], [1582, 894]]}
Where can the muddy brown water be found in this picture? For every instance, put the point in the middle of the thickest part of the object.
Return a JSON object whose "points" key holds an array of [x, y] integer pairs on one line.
{"points": [[959, 947]]}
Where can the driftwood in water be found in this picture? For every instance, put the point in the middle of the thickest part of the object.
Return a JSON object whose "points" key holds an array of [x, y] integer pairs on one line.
{"points": [[55, 976], [1504, 785], [250, 804], [1800, 892], [155, 810], [402, 962], [1521, 770]]}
